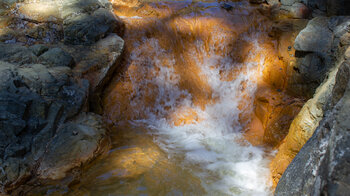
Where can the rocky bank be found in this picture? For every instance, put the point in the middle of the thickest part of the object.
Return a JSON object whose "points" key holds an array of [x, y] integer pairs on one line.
{"points": [[55, 59], [313, 157]]}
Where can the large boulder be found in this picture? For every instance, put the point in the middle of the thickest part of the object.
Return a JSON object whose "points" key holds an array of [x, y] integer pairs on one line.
{"points": [[317, 48], [322, 165], [316, 37]]}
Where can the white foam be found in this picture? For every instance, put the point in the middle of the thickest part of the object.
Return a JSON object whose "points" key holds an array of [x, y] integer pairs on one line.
{"points": [[208, 147], [130, 17]]}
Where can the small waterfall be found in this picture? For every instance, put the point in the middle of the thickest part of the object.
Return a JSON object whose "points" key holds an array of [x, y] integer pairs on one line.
{"points": [[191, 78]]}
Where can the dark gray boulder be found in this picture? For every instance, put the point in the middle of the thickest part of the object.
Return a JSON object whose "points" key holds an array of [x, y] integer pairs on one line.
{"points": [[322, 167], [318, 47], [316, 37], [88, 28]]}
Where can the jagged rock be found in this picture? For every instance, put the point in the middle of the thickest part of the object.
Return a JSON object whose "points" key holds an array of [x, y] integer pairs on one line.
{"points": [[302, 128], [113, 45], [322, 165], [77, 21]]}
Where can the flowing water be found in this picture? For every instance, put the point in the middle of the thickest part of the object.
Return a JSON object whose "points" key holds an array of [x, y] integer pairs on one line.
{"points": [[181, 107]]}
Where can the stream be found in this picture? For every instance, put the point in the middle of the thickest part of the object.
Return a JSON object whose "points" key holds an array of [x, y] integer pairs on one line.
{"points": [[181, 107]]}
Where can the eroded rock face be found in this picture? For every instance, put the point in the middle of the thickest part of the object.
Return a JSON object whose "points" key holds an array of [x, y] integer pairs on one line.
{"points": [[322, 166], [51, 63], [329, 92]]}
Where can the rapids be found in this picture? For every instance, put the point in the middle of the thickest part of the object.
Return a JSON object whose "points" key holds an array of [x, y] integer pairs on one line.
{"points": [[182, 105]]}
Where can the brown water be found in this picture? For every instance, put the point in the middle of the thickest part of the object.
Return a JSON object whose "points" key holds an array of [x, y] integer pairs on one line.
{"points": [[181, 107]]}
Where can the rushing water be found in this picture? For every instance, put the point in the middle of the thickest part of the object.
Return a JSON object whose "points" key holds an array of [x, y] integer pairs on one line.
{"points": [[183, 102]]}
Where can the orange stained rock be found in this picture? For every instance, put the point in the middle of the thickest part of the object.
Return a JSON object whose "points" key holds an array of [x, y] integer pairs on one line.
{"points": [[254, 132], [276, 111], [300, 131], [275, 72], [188, 36]]}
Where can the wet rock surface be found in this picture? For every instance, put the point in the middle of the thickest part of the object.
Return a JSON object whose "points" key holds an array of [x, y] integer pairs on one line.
{"points": [[47, 78]]}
